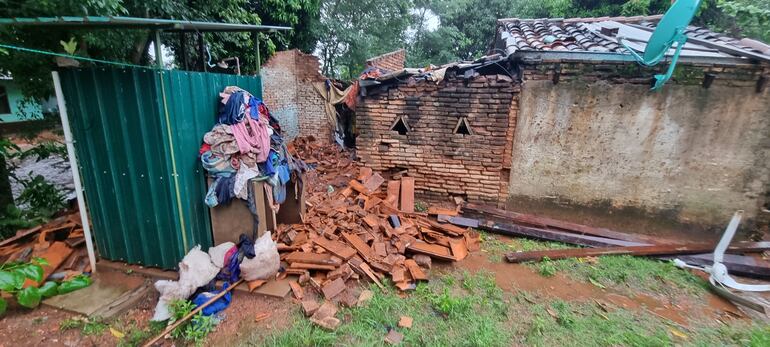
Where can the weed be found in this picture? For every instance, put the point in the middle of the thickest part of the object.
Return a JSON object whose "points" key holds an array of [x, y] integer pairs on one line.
{"points": [[93, 326], [41, 196], [70, 323], [467, 310], [194, 330], [420, 206], [546, 267]]}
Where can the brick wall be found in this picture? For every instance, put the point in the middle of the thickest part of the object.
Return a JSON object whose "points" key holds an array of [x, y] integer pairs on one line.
{"points": [[392, 61], [443, 163], [287, 79]]}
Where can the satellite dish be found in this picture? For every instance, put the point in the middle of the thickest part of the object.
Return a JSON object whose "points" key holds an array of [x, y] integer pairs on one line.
{"points": [[670, 30]]}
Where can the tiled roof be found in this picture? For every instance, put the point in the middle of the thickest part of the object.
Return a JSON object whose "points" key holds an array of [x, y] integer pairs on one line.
{"points": [[601, 35]]}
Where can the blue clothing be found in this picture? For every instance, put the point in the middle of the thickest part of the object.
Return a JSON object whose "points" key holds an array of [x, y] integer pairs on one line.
{"points": [[217, 306], [233, 111]]}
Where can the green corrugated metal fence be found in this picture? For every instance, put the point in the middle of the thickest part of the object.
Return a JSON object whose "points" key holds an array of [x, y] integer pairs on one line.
{"points": [[133, 130]]}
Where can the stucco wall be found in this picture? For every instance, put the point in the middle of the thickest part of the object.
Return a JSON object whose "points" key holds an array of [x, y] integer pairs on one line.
{"points": [[700, 153], [28, 112]]}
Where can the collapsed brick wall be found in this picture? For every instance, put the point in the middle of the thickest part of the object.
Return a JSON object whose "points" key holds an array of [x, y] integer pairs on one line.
{"points": [[392, 61], [287, 83], [443, 163]]}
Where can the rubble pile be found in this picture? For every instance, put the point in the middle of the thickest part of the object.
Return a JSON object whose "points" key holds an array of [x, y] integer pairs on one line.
{"points": [[360, 225]]}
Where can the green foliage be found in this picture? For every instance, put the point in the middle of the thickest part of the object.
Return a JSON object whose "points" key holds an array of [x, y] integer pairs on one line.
{"points": [[467, 311], [93, 326], [70, 46], [352, 31], [41, 197], [75, 283], [751, 16], [546, 267], [70, 324], [196, 329], [45, 150], [12, 278]]}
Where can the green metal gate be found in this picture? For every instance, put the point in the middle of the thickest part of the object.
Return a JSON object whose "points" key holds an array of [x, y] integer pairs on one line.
{"points": [[137, 133]]}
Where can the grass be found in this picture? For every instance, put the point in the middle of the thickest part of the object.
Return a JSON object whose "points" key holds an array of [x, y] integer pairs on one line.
{"points": [[622, 272], [462, 309], [467, 310], [558, 322], [87, 326]]}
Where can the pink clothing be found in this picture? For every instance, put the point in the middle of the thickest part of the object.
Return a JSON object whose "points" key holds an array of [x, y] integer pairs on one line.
{"points": [[255, 140]]}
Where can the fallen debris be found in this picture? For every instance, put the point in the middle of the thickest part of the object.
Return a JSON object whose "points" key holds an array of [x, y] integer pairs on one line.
{"points": [[405, 322], [394, 337], [740, 247]]}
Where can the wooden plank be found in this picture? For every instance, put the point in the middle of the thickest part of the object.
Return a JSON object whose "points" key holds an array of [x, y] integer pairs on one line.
{"points": [[552, 235], [736, 264], [461, 221], [335, 247], [433, 210], [407, 194], [549, 224], [361, 247], [364, 269], [312, 258], [56, 254], [517, 257], [394, 187], [432, 250]]}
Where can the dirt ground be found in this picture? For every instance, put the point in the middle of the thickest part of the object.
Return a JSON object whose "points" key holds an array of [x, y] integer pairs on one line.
{"points": [[43, 326]]}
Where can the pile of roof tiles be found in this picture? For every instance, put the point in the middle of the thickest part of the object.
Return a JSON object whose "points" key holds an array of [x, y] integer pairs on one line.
{"points": [[358, 226]]}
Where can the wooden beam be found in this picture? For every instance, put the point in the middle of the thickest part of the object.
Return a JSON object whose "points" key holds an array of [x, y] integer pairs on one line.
{"points": [[740, 247]]}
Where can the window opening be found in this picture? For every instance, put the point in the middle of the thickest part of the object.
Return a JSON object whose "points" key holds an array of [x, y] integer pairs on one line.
{"points": [[463, 127], [400, 126]]}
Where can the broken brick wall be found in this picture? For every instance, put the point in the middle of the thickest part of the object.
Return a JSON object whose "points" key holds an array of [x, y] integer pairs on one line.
{"points": [[594, 135], [392, 61], [444, 163], [287, 83]]}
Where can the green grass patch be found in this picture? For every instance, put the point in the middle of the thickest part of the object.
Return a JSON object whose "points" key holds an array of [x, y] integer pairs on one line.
{"points": [[649, 275], [468, 310], [560, 323], [496, 245]]}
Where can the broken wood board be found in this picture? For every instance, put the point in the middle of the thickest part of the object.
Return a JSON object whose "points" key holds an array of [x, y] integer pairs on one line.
{"points": [[361, 247], [549, 223], [55, 255], [373, 183], [517, 257]]}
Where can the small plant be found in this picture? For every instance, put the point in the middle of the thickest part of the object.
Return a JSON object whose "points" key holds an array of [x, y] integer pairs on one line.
{"points": [[194, 330], [93, 326], [70, 47], [12, 278], [41, 196], [420, 206], [71, 323], [547, 268]]}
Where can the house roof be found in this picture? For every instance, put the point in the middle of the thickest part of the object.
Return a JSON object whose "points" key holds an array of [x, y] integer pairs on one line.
{"points": [[600, 35]]}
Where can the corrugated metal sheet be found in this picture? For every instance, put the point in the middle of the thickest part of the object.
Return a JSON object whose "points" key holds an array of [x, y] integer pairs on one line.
{"points": [[133, 129]]}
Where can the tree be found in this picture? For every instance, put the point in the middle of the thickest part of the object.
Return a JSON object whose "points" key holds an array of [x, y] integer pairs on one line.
{"points": [[352, 31], [751, 17]]}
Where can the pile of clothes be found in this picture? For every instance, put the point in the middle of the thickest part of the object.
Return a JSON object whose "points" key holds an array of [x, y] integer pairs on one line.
{"points": [[245, 144]]}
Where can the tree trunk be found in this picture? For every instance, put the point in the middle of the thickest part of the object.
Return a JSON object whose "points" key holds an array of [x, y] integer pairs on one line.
{"points": [[6, 195]]}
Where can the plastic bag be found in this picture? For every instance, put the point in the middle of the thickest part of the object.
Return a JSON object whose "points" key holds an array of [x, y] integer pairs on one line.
{"points": [[265, 263], [218, 253]]}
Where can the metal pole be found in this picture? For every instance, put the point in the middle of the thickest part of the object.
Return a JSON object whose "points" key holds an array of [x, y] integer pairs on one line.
{"points": [[65, 122], [158, 50], [259, 63]]}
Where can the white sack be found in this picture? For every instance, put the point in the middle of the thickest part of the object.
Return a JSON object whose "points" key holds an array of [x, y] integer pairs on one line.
{"points": [[195, 270], [265, 263]]}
